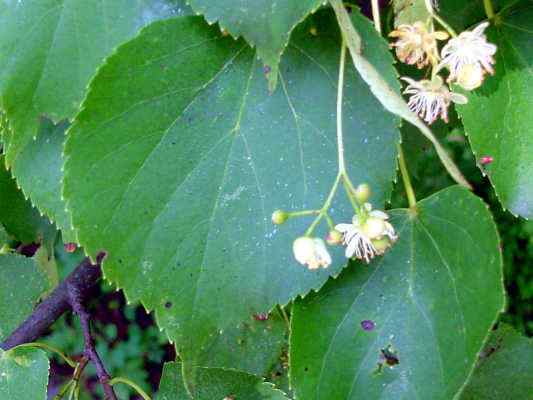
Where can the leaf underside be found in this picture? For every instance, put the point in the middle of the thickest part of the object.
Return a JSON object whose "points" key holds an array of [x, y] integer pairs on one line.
{"points": [[23, 374]]}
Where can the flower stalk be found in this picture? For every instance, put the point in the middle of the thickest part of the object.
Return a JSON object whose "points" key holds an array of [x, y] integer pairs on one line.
{"points": [[489, 9]]}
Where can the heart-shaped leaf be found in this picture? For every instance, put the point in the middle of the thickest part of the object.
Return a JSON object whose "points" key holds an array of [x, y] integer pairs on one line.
{"points": [[181, 155], [497, 117], [49, 50], [409, 325]]}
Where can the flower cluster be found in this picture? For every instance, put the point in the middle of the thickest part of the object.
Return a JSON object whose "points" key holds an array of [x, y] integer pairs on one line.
{"points": [[369, 235], [468, 57]]}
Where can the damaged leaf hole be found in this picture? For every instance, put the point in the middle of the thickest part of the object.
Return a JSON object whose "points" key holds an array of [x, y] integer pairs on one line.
{"points": [[388, 357]]}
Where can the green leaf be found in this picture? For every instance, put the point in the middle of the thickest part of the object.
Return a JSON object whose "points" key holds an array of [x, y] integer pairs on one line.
{"points": [[497, 117], [50, 49], [17, 214], [21, 285], [264, 24], [410, 11], [23, 374], [462, 14], [181, 155], [4, 237], [430, 301], [504, 369], [252, 346], [39, 172], [216, 383]]}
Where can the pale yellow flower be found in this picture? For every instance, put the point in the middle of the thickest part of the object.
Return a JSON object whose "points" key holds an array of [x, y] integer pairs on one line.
{"points": [[416, 45]]}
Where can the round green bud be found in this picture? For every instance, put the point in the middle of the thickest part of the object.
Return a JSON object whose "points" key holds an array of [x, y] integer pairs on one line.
{"points": [[362, 193], [334, 238], [279, 217]]}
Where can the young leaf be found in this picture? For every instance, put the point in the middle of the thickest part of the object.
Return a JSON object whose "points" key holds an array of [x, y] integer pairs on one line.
{"points": [[497, 117], [216, 383], [181, 155], [411, 324], [17, 214], [23, 374], [264, 24], [504, 369], [21, 285]]}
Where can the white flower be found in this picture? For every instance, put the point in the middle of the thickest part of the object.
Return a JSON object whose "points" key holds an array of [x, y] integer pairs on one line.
{"points": [[470, 48], [311, 252], [366, 240], [416, 45], [431, 98]]}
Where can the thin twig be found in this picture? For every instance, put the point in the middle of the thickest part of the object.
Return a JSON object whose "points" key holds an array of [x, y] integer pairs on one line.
{"points": [[76, 301]]}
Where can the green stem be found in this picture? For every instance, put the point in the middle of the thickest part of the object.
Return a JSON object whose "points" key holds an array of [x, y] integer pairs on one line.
{"points": [[376, 15], [489, 8], [63, 390], [49, 348], [131, 384], [330, 222], [340, 94], [303, 213], [406, 179], [444, 24], [325, 207]]}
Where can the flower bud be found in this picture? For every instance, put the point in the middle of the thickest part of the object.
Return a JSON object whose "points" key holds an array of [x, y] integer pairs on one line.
{"points": [[334, 237], [311, 252], [279, 217], [362, 193], [470, 76]]}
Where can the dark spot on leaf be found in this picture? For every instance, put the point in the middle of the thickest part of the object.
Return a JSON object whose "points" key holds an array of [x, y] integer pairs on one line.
{"points": [[389, 356], [306, 369], [368, 325], [168, 304], [267, 69]]}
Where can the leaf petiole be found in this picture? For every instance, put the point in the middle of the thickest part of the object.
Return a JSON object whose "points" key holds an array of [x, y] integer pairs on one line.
{"points": [[43, 346], [131, 384]]}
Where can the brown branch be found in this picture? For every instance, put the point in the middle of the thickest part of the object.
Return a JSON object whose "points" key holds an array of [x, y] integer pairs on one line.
{"points": [[69, 295], [76, 301], [84, 277]]}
